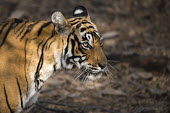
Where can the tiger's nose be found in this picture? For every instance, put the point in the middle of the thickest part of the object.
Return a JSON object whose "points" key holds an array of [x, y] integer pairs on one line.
{"points": [[102, 66]]}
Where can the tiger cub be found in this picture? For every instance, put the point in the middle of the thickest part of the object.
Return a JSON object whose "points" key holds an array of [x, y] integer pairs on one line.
{"points": [[31, 51]]}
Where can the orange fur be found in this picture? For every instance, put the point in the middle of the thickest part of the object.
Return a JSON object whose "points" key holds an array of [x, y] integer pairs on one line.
{"points": [[29, 52]]}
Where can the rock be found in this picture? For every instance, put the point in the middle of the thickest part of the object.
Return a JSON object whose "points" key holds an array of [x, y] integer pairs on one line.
{"points": [[111, 34], [145, 75], [110, 91], [158, 93], [134, 76], [93, 85], [146, 110], [141, 95], [141, 75], [74, 95], [128, 44], [116, 84]]}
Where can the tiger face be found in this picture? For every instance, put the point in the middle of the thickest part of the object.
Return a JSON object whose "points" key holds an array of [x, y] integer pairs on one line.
{"points": [[88, 52], [84, 44]]}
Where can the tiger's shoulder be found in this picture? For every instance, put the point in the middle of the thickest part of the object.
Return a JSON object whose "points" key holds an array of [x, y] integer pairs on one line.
{"points": [[21, 27]]}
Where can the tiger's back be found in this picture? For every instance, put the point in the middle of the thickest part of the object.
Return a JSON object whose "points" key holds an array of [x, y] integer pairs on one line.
{"points": [[10, 81], [18, 40]]}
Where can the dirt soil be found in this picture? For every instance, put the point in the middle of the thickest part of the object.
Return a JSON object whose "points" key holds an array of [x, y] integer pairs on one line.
{"points": [[136, 42]]}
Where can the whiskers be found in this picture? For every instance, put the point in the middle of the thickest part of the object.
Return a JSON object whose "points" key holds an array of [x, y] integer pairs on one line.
{"points": [[83, 75], [111, 70], [86, 75], [79, 74]]}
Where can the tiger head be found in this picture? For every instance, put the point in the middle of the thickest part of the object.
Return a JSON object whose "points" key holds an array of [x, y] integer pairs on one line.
{"points": [[83, 43]]}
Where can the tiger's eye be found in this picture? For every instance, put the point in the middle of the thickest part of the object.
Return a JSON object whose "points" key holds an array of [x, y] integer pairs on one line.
{"points": [[85, 44]]}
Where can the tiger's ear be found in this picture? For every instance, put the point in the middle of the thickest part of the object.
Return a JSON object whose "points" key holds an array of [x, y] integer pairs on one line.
{"points": [[81, 11], [59, 20]]}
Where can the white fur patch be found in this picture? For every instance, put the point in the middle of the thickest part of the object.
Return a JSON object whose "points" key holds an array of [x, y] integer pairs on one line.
{"points": [[78, 11], [46, 72], [57, 59], [92, 77], [89, 37], [76, 59]]}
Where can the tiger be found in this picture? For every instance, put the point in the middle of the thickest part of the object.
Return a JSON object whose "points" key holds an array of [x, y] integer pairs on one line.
{"points": [[31, 51]]}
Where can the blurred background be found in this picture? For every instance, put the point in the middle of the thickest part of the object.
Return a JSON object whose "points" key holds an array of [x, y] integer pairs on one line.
{"points": [[137, 43]]}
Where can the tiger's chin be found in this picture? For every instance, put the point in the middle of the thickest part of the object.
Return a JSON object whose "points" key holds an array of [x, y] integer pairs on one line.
{"points": [[94, 76]]}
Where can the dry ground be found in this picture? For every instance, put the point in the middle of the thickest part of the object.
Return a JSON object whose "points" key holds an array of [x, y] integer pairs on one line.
{"points": [[137, 36]]}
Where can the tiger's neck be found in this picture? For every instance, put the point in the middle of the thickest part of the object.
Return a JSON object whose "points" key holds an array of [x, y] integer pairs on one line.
{"points": [[48, 49]]}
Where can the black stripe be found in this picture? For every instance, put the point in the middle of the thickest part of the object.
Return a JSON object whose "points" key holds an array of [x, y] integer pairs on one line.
{"points": [[83, 29], [93, 37], [81, 51], [66, 49], [74, 20], [78, 25], [43, 26], [90, 27], [84, 38], [41, 60], [21, 26], [73, 45], [3, 27], [81, 61], [40, 63], [29, 28], [25, 63], [85, 22], [50, 44], [37, 73], [7, 102], [76, 39], [20, 92], [75, 23], [17, 22], [39, 47], [6, 34]]}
